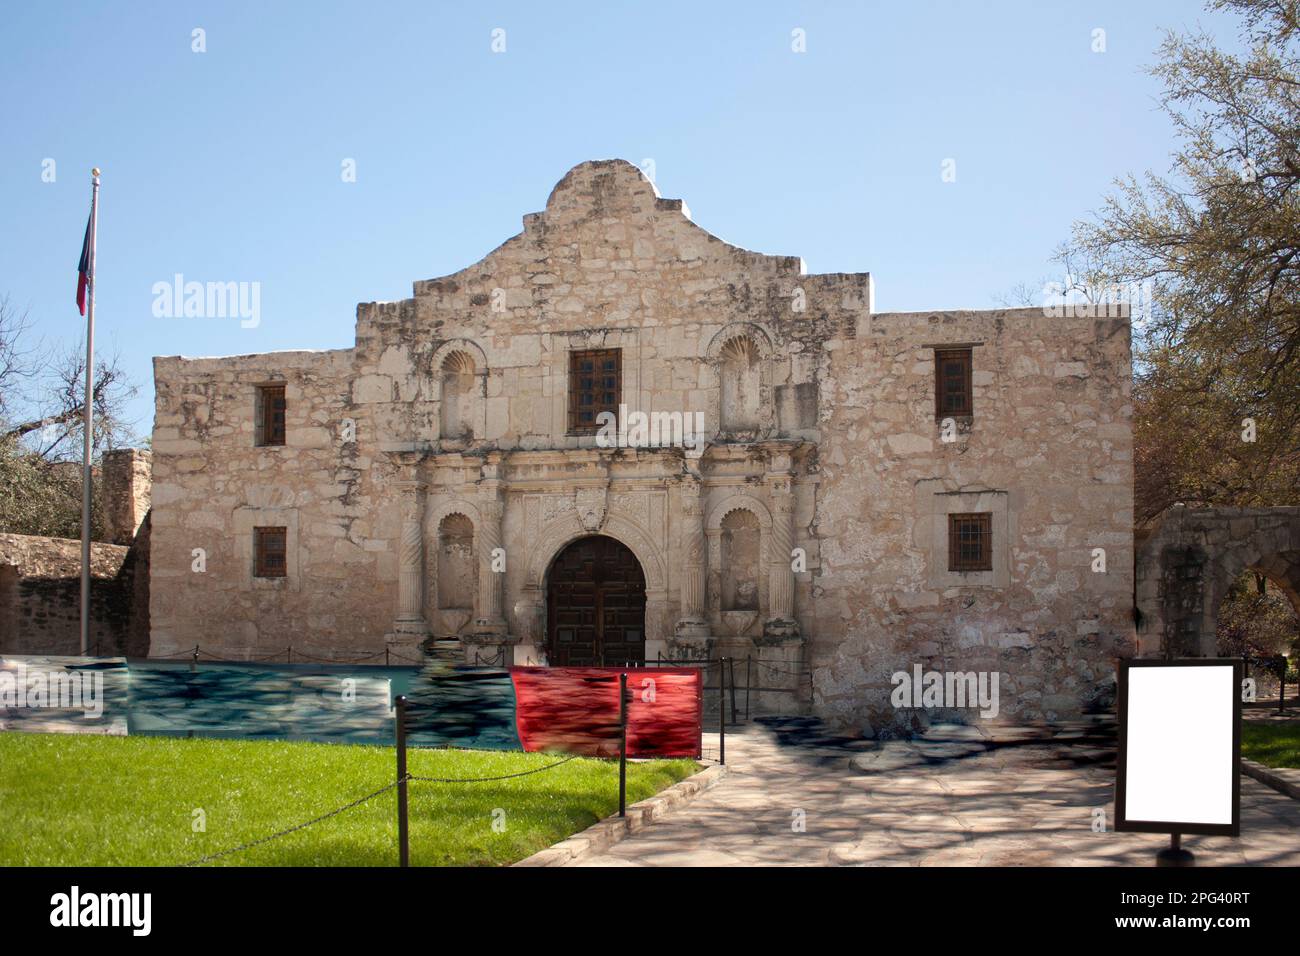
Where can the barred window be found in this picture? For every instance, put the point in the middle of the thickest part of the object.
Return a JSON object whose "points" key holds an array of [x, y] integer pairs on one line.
{"points": [[970, 542], [270, 414], [595, 386], [952, 383], [270, 547]]}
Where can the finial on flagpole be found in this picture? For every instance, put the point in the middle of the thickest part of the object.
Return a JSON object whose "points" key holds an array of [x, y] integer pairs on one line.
{"points": [[95, 172]]}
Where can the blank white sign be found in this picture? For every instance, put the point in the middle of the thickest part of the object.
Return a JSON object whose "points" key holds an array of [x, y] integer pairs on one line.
{"points": [[1179, 764]]}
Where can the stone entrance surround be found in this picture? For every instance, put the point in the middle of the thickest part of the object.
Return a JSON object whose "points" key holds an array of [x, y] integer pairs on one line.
{"points": [[655, 502]]}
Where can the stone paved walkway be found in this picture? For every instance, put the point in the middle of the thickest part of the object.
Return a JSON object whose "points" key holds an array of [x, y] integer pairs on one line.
{"points": [[959, 797]]}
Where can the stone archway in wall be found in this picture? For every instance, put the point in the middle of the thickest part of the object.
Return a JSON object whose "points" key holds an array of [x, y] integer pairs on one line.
{"points": [[530, 609], [1186, 566], [595, 605]]}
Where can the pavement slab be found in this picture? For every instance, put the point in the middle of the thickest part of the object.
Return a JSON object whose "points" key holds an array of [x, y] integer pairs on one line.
{"points": [[797, 795]]}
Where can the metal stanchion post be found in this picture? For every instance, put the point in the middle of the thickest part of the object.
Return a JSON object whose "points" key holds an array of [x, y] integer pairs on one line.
{"points": [[1281, 688], [403, 845], [731, 684], [722, 711]]}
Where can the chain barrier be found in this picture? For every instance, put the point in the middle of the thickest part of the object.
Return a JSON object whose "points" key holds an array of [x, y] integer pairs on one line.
{"points": [[340, 660], [370, 796], [507, 776], [293, 829], [198, 653]]}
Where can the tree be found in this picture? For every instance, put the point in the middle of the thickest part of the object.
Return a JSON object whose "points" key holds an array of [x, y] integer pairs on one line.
{"points": [[41, 428], [1216, 244], [1257, 620]]}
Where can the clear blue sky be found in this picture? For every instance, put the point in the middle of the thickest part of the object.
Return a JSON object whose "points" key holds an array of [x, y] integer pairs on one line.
{"points": [[225, 165]]}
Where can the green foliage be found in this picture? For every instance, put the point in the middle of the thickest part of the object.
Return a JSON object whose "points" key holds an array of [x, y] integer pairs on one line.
{"points": [[1256, 624], [91, 800], [1217, 247], [43, 497]]}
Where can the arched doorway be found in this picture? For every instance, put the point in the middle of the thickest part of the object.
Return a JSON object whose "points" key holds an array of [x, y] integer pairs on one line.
{"points": [[595, 605]]}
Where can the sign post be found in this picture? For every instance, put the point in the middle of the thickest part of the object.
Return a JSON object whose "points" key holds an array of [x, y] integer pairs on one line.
{"points": [[1179, 767]]}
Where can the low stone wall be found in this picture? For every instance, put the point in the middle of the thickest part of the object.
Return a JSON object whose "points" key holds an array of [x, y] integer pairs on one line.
{"points": [[40, 596]]}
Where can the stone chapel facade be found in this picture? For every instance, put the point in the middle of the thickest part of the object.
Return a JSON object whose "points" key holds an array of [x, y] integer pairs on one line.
{"points": [[870, 491]]}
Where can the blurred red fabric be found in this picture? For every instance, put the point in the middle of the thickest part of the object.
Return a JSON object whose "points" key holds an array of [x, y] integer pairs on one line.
{"points": [[575, 710]]}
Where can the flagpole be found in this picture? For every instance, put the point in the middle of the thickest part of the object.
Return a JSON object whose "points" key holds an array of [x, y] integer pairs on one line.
{"points": [[88, 422]]}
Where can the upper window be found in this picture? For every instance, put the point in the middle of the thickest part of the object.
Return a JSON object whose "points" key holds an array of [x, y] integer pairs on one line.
{"points": [[270, 415], [970, 542], [595, 386], [270, 547], [952, 383]]}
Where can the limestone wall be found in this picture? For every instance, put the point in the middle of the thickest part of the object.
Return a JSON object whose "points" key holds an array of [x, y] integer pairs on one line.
{"points": [[212, 485], [1049, 453], [608, 265], [1189, 560], [125, 492], [444, 436], [40, 597]]}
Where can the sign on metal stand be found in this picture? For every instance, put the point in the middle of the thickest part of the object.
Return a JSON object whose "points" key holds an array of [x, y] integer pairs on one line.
{"points": [[1179, 768]]}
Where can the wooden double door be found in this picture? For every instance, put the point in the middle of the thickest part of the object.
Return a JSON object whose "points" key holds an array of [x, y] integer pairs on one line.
{"points": [[595, 605]]}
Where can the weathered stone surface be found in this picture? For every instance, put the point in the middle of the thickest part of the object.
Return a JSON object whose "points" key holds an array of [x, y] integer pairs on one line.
{"points": [[787, 801], [127, 480], [1190, 558], [447, 422], [40, 596]]}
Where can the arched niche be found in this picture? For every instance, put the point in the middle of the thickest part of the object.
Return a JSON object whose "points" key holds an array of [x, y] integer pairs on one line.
{"points": [[739, 358], [459, 371]]}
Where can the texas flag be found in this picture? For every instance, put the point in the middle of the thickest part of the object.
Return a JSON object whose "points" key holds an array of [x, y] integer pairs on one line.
{"points": [[83, 268]]}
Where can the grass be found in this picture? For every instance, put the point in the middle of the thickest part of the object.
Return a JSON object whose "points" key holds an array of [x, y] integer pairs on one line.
{"points": [[90, 800], [1274, 744]]}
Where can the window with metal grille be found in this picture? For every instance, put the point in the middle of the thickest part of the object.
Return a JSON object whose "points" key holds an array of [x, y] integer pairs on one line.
{"points": [[270, 414], [270, 547], [970, 542], [952, 382], [595, 386]]}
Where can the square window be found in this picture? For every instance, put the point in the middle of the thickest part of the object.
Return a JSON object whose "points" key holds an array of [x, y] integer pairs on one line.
{"points": [[270, 551], [270, 414], [595, 385], [970, 542], [952, 383]]}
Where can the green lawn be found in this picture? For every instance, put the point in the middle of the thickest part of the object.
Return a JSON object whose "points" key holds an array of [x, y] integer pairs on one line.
{"points": [[78, 800], [1274, 744]]}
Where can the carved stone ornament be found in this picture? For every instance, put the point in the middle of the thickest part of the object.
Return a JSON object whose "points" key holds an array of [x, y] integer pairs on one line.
{"points": [[591, 507]]}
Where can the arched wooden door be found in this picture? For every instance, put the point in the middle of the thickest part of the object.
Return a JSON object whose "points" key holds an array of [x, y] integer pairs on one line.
{"points": [[595, 605]]}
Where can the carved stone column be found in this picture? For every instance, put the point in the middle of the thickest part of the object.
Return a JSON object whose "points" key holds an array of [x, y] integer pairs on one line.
{"points": [[490, 626], [410, 626], [781, 621], [693, 625]]}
